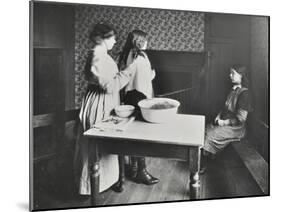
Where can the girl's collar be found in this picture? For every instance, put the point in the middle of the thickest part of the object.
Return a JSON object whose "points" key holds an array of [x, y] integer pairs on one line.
{"points": [[236, 86]]}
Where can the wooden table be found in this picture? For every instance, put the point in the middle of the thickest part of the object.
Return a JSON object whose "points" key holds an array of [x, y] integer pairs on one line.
{"points": [[179, 139]]}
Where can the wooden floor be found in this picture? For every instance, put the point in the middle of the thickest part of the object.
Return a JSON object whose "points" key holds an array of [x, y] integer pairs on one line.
{"points": [[226, 177]]}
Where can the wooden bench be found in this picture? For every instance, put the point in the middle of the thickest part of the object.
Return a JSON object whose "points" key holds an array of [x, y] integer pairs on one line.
{"points": [[255, 163]]}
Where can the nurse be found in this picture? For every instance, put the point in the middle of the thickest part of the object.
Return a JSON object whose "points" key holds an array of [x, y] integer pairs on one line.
{"points": [[102, 96]]}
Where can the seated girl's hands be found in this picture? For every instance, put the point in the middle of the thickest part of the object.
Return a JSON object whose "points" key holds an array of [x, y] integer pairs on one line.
{"points": [[216, 120], [223, 122]]}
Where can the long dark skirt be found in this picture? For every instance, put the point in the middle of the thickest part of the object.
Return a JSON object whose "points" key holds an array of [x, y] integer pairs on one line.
{"points": [[218, 137]]}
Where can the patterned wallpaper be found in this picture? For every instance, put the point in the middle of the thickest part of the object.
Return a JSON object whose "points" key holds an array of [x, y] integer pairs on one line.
{"points": [[167, 30]]}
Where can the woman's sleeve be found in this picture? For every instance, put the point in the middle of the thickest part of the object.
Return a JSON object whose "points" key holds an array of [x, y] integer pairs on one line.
{"points": [[120, 80], [110, 84]]}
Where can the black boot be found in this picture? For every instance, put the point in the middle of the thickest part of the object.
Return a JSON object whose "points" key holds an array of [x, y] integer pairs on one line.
{"points": [[133, 167], [143, 176]]}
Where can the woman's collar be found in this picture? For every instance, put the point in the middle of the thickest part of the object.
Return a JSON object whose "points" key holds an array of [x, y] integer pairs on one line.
{"points": [[100, 49]]}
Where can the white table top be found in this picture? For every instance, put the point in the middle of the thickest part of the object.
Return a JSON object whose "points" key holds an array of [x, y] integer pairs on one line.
{"points": [[186, 130]]}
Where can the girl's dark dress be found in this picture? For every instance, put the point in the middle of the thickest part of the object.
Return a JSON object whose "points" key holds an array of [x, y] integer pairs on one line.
{"points": [[218, 137]]}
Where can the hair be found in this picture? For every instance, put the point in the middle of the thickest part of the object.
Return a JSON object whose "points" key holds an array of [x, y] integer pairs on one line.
{"points": [[240, 69], [100, 32], [135, 41]]}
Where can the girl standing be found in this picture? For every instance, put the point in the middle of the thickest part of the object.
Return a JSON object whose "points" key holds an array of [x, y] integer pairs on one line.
{"points": [[139, 87]]}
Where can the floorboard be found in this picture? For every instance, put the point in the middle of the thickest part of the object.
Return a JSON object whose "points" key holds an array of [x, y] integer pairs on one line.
{"points": [[226, 177]]}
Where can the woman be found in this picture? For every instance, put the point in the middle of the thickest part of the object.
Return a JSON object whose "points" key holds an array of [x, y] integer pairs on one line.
{"points": [[139, 87], [104, 83], [229, 124]]}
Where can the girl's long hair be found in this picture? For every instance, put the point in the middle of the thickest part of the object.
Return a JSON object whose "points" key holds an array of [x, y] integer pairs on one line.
{"points": [[134, 43], [242, 70]]}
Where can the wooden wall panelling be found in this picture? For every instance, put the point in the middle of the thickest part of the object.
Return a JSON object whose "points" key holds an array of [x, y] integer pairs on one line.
{"points": [[48, 117], [258, 126], [48, 88], [48, 95], [54, 28], [260, 66], [180, 75]]}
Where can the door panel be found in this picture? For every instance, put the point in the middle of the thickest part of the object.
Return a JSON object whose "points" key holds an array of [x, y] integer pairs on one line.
{"points": [[220, 61], [47, 90]]}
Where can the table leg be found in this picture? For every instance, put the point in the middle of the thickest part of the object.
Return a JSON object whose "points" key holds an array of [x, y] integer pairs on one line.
{"points": [[118, 187], [194, 165], [122, 169], [94, 171]]}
